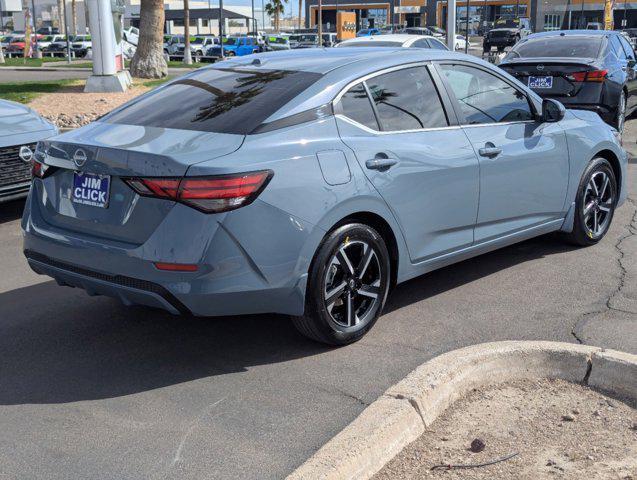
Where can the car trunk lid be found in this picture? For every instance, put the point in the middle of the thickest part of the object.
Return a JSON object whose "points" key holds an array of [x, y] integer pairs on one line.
{"points": [[560, 69], [115, 152]]}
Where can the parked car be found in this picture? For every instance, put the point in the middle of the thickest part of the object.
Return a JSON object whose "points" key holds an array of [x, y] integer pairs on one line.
{"points": [[57, 48], [46, 41], [199, 45], [507, 32], [594, 26], [305, 186], [461, 43], [82, 45], [20, 129], [417, 31], [395, 40], [330, 39], [304, 40], [235, 47], [131, 35], [5, 41], [16, 47], [438, 32], [48, 31], [584, 69], [368, 32], [277, 42]]}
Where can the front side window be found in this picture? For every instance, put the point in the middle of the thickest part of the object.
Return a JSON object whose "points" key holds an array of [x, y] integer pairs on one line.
{"points": [[221, 100], [407, 99], [485, 98], [355, 104]]}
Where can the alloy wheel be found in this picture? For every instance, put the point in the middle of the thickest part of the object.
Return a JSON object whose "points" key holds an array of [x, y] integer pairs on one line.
{"points": [[598, 203], [352, 284]]}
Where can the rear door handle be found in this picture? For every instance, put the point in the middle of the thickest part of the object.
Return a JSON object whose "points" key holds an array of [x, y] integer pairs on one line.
{"points": [[490, 152], [381, 163]]}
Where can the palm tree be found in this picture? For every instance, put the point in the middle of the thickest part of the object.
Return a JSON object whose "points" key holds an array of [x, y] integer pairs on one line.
{"points": [[187, 55], [73, 18], [275, 9], [149, 61], [300, 10]]}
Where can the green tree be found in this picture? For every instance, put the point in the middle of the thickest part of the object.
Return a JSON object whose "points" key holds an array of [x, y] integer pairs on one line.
{"points": [[275, 9]]}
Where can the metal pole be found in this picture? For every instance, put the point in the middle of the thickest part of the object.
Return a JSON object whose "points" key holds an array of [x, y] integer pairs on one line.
{"points": [[517, 8], [221, 27], [66, 33], [1, 16], [451, 24], [466, 31], [253, 19], [581, 17], [209, 22], [263, 14], [624, 24], [320, 23]]}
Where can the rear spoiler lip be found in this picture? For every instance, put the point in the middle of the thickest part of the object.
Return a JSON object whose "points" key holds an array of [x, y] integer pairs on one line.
{"points": [[549, 61]]}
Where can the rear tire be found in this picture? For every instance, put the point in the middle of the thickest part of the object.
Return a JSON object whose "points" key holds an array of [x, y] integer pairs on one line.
{"points": [[347, 286], [595, 203]]}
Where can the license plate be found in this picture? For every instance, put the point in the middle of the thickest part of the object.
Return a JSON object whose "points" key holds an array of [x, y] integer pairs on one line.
{"points": [[540, 82], [91, 189]]}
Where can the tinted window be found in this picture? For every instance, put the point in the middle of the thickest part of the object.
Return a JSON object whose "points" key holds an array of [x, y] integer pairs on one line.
{"points": [[485, 98], [437, 45], [371, 43], [556, 46], [422, 43], [407, 99], [630, 53], [216, 100], [617, 47], [357, 106]]}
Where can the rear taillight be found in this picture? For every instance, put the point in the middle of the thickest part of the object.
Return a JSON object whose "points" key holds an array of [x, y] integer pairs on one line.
{"points": [[208, 194], [40, 170], [590, 76]]}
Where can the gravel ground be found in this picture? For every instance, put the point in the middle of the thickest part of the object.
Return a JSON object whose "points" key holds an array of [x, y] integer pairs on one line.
{"points": [[558, 429], [72, 108]]}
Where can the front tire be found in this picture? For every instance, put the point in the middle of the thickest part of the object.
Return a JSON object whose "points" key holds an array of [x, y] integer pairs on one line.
{"points": [[347, 286], [595, 203]]}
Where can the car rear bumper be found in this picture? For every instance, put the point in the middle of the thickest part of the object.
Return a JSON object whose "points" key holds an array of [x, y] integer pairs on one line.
{"points": [[243, 267], [607, 114]]}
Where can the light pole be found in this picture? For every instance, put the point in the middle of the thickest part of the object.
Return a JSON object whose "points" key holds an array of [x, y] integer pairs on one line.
{"points": [[221, 27], [320, 23], [66, 34], [253, 20], [581, 16], [451, 24]]}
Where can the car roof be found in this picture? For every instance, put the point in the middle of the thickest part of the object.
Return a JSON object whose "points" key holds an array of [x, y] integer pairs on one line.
{"points": [[393, 37], [338, 67], [572, 33]]}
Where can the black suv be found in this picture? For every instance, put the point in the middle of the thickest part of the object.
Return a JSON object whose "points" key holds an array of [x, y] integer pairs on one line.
{"points": [[506, 33]]}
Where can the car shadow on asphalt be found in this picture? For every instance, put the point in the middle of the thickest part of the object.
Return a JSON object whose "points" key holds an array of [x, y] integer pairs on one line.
{"points": [[59, 345]]}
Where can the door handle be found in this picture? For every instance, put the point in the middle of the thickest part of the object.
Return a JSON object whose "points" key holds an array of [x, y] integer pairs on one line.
{"points": [[490, 151], [380, 163]]}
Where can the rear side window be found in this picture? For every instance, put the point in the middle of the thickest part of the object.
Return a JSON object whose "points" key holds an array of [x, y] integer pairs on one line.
{"points": [[356, 105], [556, 46], [422, 43], [485, 98], [437, 45], [407, 99], [216, 100]]}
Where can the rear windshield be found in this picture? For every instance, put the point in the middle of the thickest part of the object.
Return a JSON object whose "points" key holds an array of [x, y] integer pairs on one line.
{"points": [[216, 100], [371, 44], [558, 46]]}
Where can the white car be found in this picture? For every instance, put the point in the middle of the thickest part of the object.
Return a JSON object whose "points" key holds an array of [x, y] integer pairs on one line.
{"points": [[131, 35], [461, 42], [47, 40], [395, 40]]}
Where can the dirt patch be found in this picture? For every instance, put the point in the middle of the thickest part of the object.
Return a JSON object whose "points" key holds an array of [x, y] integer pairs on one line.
{"points": [[71, 107], [558, 429]]}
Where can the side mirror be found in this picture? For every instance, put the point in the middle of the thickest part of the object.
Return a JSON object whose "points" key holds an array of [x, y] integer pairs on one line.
{"points": [[552, 110], [631, 63]]}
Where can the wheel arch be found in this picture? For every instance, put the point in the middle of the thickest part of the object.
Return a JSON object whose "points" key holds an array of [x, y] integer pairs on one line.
{"points": [[614, 163]]}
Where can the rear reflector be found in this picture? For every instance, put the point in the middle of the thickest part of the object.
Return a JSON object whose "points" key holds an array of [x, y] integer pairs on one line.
{"points": [[590, 76], [175, 267], [208, 194], [40, 170]]}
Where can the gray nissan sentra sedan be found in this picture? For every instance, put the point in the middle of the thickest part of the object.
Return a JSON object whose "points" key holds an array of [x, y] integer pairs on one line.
{"points": [[309, 182]]}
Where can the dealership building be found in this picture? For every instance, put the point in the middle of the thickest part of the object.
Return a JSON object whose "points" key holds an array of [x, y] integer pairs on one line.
{"points": [[543, 14]]}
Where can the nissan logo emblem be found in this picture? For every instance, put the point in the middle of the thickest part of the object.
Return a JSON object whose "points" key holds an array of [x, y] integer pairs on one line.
{"points": [[25, 154], [79, 158], [540, 67]]}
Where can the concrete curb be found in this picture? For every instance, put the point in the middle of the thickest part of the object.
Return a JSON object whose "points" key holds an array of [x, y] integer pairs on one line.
{"points": [[403, 412]]}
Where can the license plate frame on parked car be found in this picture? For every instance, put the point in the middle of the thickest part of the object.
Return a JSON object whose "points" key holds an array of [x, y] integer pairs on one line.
{"points": [[91, 189], [541, 82]]}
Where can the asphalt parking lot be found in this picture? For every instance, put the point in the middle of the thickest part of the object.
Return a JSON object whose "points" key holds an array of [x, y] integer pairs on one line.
{"points": [[92, 389]]}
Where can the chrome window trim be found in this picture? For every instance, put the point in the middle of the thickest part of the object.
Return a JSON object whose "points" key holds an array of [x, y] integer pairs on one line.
{"points": [[363, 80], [392, 132]]}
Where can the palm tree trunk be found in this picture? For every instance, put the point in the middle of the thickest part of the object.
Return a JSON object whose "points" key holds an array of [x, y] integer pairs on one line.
{"points": [[300, 10], [73, 17], [62, 20], [187, 55], [149, 61]]}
